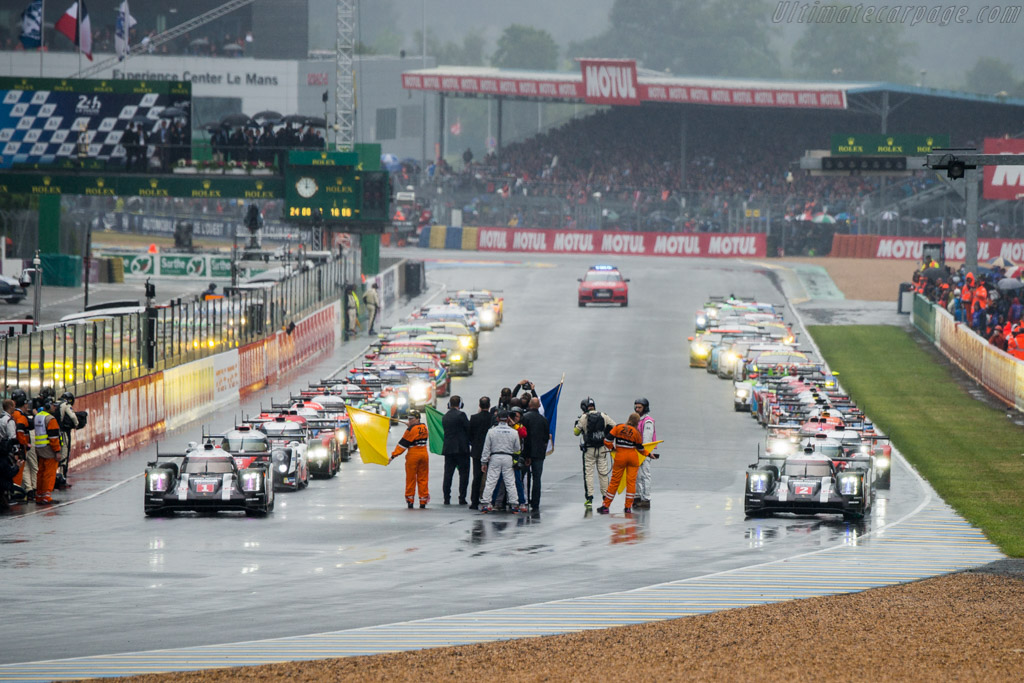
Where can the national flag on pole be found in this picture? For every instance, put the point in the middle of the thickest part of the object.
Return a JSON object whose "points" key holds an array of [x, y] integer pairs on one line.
{"points": [[122, 29], [371, 432], [32, 25], [456, 128], [436, 430], [549, 409], [75, 25]]}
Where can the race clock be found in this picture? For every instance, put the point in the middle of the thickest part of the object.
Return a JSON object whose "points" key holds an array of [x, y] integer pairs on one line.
{"points": [[306, 187]]}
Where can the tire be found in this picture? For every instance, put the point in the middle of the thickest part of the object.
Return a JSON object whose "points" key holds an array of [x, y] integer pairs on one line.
{"points": [[14, 299], [581, 304], [853, 516], [345, 455], [756, 512], [885, 482], [625, 303], [155, 512]]}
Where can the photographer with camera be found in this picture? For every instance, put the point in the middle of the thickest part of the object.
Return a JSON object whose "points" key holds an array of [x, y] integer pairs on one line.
{"points": [[10, 460], [69, 422]]}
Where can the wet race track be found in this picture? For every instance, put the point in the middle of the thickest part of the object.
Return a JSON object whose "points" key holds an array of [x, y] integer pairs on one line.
{"points": [[346, 553]]}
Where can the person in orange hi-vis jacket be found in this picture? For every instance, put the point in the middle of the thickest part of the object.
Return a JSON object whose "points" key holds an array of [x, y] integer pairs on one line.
{"points": [[47, 442], [417, 469], [628, 445]]}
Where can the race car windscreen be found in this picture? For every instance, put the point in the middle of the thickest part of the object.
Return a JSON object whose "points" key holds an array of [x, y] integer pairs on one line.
{"points": [[602, 276], [209, 466], [283, 430], [244, 444], [807, 468]]}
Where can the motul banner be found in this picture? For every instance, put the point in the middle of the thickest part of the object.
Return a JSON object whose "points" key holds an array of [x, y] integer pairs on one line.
{"points": [[512, 87], [956, 249], [1004, 182], [621, 243], [744, 97], [610, 81]]}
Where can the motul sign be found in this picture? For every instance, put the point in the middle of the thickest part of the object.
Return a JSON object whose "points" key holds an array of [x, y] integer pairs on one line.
{"points": [[621, 243], [610, 81], [1004, 182]]}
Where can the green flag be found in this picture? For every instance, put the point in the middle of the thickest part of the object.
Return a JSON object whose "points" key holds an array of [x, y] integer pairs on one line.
{"points": [[436, 430]]}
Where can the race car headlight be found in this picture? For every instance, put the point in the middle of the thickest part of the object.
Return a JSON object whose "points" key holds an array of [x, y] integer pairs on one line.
{"points": [[282, 468], [757, 482], [865, 449], [317, 453], [419, 392], [158, 481], [251, 481], [341, 437], [487, 316], [778, 447], [701, 349], [702, 320], [466, 341], [849, 485], [742, 393], [730, 357], [402, 400], [882, 463], [456, 357]]}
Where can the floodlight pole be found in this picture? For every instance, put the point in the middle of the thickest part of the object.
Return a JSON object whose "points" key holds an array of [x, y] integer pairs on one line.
{"points": [[942, 160]]}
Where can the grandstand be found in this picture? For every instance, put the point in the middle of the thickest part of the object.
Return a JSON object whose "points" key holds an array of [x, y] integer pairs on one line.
{"points": [[701, 154]]}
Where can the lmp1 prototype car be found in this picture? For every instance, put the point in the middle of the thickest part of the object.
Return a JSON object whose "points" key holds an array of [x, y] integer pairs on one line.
{"points": [[603, 285], [809, 483], [207, 479]]}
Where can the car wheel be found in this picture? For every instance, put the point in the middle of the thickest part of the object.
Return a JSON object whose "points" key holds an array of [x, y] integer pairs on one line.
{"points": [[154, 512], [756, 512], [13, 300], [884, 481], [853, 516], [625, 303], [581, 304]]}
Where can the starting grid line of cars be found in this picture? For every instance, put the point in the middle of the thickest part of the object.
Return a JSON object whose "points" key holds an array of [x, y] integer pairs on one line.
{"points": [[820, 453], [409, 367]]}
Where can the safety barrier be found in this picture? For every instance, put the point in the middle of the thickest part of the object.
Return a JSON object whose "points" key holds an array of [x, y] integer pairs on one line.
{"points": [[130, 414], [594, 242], [997, 371], [912, 248]]}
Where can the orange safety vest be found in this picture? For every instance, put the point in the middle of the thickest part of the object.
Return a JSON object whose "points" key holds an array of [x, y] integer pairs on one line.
{"points": [[415, 440]]}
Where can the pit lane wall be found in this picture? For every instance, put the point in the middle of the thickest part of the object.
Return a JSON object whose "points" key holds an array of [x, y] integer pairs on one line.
{"points": [[999, 372], [602, 242], [133, 413], [910, 248]]}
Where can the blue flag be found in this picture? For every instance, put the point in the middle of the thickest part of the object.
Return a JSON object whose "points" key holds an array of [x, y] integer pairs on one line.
{"points": [[549, 409], [32, 25]]}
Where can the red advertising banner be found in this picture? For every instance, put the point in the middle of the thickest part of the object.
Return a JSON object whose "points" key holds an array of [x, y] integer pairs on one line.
{"points": [[616, 81], [1004, 182], [120, 417], [956, 249], [610, 81], [621, 243]]}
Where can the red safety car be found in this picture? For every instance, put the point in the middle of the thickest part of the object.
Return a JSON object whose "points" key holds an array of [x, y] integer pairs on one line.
{"points": [[603, 285]]}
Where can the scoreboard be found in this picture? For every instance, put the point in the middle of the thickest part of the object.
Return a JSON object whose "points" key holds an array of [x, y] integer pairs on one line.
{"points": [[332, 187]]}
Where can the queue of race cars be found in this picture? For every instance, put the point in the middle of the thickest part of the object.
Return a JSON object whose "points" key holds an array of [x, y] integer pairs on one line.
{"points": [[309, 436], [820, 454]]}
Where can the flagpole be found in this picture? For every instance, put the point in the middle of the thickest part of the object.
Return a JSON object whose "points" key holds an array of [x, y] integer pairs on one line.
{"points": [[42, 35], [78, 33]]}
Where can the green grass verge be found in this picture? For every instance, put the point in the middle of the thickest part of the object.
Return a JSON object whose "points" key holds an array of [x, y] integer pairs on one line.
{"points": [[968, 451]]}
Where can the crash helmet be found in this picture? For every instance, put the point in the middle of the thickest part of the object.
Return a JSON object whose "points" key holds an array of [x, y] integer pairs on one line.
{"points": [[68, 397], [590, 404], [643, 402], [19, 397]]}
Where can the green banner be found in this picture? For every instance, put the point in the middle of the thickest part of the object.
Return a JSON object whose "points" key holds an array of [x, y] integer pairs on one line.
{"points": [[302, 157], [220, 266], [139, 264], [182, 265], [887, 145], [95, 86], [193, 186]]}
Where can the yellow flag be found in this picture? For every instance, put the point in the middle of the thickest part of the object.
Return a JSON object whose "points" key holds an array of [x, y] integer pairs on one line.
{"points": [[649, 446], [371, 432]]}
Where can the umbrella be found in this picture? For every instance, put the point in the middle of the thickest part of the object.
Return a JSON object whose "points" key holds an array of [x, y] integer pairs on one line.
{"points": [[144, 120], [268, 115], [173, 113], [934, 273], [1009, 284], [316, 122], [236, 120], [232, 48], [823, 218], [295, 118], [198, 42], [889, 215], [389, 162], [1001, 262], [843, 216]]}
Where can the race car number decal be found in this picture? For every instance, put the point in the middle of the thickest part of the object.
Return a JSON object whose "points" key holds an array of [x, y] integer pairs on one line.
{"points": [[803, 490], [204, 488]]}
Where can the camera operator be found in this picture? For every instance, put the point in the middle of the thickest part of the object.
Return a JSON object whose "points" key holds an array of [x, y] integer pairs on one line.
{"points": [[68, 420]]}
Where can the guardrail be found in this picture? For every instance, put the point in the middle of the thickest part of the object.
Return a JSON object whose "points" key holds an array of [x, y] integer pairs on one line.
{"points": [[100, 353], [998, 372]]}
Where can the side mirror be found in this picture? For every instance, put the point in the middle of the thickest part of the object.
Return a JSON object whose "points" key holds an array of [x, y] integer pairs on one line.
{"points": [[626, 280], [579, 279]]}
